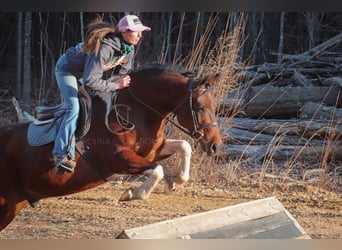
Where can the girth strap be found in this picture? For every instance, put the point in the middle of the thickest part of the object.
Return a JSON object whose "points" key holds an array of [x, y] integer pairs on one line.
{"points": [[92, 159]]}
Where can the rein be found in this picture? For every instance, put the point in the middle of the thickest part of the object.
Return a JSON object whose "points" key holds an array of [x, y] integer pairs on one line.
{"points": [[196, 134]]}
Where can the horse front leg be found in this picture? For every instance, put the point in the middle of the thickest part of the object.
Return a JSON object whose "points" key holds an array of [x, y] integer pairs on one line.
{"points": [[143, 192], [182, 173], [132, 163]]}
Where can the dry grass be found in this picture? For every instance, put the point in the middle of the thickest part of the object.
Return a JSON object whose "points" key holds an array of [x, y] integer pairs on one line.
{"points": [[223, 58]]}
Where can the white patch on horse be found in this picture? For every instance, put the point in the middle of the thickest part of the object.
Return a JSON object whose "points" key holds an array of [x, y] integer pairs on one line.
{"points": [[143, 192], [183, 148]]}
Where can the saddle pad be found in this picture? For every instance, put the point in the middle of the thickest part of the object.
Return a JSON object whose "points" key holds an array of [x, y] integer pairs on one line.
{"points": [[38, 135]]}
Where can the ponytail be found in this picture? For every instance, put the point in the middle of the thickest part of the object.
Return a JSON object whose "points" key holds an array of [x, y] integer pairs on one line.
{"points": [[95, 32]]}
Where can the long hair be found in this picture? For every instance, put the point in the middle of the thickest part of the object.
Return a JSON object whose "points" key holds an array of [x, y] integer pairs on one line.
{"points": [[95, 32]]}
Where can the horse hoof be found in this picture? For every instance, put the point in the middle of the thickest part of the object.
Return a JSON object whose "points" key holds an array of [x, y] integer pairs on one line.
{"points": [[170, 185], [127, 195], [169, 188]]}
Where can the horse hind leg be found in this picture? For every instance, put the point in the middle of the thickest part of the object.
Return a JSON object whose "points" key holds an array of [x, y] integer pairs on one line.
{"points": [[143, 192], [9, 210]]}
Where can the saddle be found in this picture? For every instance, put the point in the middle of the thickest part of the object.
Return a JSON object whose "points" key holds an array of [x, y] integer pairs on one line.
{"points": [[44, 128]]}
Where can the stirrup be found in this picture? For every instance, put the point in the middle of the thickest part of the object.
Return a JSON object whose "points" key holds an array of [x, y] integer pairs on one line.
{"points": [[41, 122], [44, 117], [65, 166]]}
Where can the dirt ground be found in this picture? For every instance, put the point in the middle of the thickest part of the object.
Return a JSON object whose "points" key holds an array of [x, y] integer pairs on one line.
{"points": [[97, 214]]}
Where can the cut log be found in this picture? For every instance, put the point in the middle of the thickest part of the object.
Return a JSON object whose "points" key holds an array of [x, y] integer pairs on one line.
{"points": [[332, 81], [280, 153], [239, 136], [287, 71], [285, 102], [296, 127], [312, 110]]}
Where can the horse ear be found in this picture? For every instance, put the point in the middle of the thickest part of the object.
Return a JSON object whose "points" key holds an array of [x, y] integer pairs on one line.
{"points": [[210, 80], [189, 74]]}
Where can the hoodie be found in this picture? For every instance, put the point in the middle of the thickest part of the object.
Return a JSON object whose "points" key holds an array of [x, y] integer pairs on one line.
{"points": [[100, 71]]}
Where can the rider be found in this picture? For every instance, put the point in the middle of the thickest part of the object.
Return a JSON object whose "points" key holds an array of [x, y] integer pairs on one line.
{"points": [[104, 60]]}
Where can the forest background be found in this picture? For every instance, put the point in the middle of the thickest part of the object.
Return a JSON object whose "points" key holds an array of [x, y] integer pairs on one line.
{"points": [[31, 42], [230, 43]]}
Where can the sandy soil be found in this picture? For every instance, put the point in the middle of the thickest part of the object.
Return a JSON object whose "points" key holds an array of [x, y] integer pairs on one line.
{"points": [[97, 214]]}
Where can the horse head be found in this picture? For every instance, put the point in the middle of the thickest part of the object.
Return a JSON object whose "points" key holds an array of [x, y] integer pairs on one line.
{"points": [[159, 94], [198, 114]]}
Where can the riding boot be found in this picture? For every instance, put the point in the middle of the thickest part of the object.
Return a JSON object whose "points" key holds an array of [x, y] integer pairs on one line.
{"points": [[64, 165]]}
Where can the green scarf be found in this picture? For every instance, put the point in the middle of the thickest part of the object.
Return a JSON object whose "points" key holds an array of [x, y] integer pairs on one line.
{"points": [[126, 48]]}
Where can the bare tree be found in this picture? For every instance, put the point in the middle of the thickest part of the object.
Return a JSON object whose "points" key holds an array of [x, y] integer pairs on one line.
{"points": [[18, 92], [62, 48], [179, 39], [27, 63], [281, 36], [82, 25], [167, 50], [42, 61], [313, 24]]}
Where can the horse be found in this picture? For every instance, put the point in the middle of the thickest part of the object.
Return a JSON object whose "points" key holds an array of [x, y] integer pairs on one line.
{"points": [[126, 136]]}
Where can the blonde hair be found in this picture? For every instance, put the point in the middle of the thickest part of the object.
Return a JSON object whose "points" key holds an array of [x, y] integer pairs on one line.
{"points": [[95, 32]]}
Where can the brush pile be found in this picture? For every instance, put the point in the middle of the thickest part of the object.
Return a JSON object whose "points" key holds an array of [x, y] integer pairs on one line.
{"points": [[289, 111]]}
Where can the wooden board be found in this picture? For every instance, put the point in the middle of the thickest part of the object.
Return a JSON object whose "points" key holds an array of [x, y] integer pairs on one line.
{"points": [[259, 219]]}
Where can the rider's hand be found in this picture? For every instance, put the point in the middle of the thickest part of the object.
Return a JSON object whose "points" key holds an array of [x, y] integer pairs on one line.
{"points": [[123, 82]]}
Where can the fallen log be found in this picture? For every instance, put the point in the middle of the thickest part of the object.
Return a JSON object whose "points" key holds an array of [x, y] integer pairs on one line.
{"points": [[285, 102], [21, 117], [297, 127], [324, 46], [332, 81], [324, 56], [312, 110], [239, 136], [255, 153]]}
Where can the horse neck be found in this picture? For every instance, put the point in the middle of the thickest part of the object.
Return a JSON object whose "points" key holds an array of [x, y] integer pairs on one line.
{"points": [[162, 94]]}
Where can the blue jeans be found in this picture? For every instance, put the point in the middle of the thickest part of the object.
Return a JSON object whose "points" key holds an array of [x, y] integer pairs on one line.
{"points": [[67, 83]]}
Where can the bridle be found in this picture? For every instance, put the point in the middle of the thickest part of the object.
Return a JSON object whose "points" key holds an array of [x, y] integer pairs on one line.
{"points": [[196, 134]]}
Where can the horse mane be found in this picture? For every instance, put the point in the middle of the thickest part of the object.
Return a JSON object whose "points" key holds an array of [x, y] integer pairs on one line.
{"points": [[174, 68]]}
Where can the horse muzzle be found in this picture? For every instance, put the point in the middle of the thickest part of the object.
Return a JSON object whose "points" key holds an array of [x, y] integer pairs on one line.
{"points": [[211, 148]]}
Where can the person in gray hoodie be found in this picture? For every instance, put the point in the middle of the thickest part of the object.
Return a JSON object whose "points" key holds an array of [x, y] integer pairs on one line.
{"points": [[103, 60]]}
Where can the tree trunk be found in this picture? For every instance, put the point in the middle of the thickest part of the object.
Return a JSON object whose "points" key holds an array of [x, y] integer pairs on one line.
{"points": [[18, 90], [167, 50], [281, 36], [312, 20], [27, 63], [62, 48], [81, 26]]}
